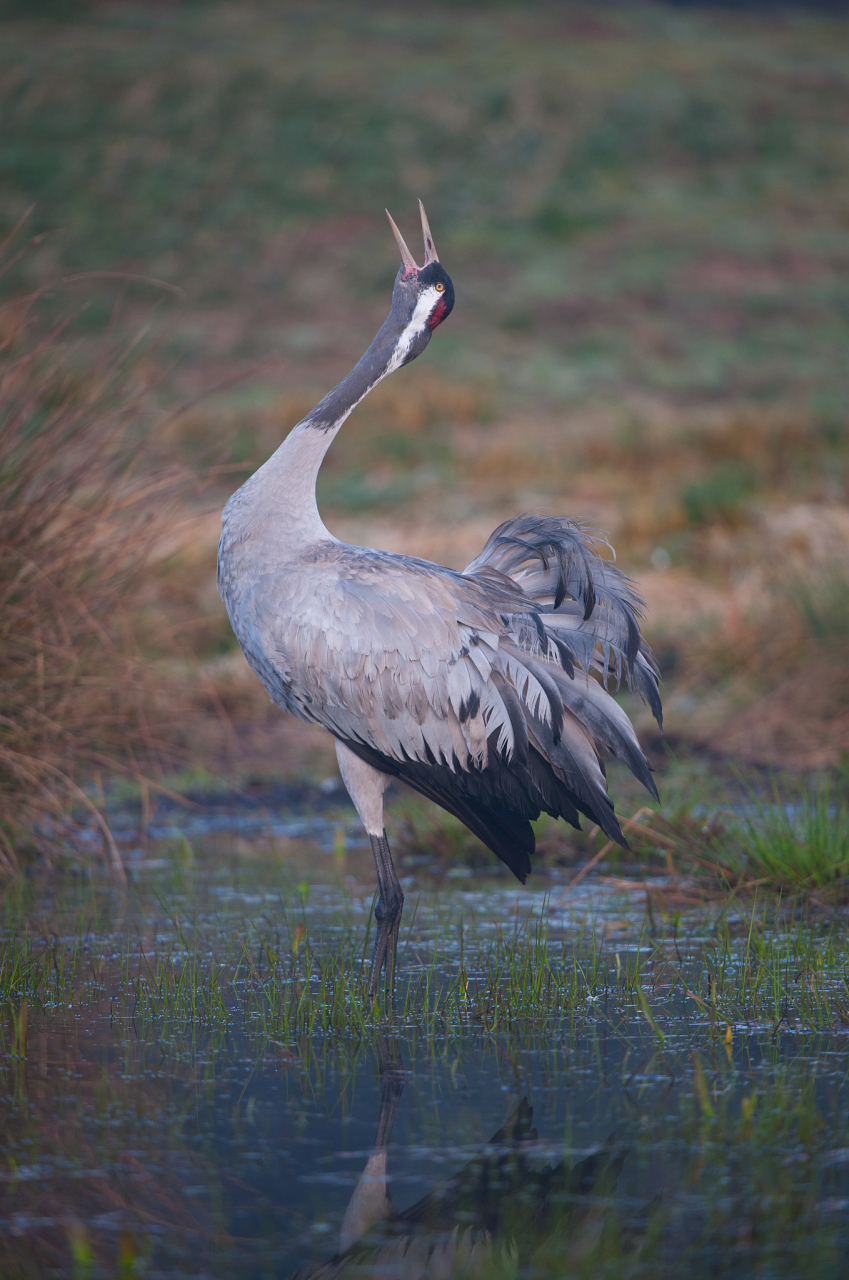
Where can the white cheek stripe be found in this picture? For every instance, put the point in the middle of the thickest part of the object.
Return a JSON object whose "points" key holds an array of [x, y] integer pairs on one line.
{"points": [[417, 322]]}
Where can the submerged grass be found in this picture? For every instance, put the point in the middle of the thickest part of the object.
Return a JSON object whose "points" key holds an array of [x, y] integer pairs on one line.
{"points": [[300, 980], [202, 1076], [159, 1160]]}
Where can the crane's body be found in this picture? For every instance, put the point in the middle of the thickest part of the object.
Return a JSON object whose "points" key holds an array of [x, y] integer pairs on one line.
{"points": [[475, 688]]}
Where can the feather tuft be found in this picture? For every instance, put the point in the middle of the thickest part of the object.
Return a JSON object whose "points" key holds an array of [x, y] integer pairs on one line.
{"points": [[586, 607]]}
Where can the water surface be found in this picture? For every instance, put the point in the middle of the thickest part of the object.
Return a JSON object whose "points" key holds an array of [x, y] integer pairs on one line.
{"points": [[569, 1083]]}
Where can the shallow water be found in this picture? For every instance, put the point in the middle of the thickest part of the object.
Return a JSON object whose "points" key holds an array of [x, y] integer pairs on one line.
{"points": [[182, 1097]]}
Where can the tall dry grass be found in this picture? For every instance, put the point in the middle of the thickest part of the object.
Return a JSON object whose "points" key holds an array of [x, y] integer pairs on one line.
{"points": [[83, 500]]}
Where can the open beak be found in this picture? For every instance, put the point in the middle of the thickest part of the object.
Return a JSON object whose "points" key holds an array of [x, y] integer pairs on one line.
{"points": [[430, 254], [429, 247]]}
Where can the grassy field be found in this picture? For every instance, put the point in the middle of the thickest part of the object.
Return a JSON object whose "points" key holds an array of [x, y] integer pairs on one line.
{"points": [[645, 210]]}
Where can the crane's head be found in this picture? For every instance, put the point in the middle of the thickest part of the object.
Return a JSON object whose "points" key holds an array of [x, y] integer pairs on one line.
{"points": [[423, 296]]}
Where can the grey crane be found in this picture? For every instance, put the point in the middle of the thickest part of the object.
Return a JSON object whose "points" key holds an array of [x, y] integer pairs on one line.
{"points": [[486, 690]]}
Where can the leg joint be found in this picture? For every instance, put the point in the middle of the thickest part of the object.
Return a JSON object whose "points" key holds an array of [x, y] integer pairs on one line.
{"points": [[390, 905]]}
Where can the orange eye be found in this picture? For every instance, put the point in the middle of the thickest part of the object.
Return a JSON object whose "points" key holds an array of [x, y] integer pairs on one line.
{"points": [[440, 287]]}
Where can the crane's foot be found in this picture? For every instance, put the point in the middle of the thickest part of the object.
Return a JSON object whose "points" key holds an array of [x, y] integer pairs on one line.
{"points": [[385, 947], [388, 916]]}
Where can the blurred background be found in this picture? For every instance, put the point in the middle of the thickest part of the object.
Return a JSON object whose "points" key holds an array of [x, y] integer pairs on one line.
{"points": [[645, 211]]}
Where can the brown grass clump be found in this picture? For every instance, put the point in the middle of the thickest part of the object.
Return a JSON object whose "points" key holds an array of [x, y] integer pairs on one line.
{"points": [[81, 505]]}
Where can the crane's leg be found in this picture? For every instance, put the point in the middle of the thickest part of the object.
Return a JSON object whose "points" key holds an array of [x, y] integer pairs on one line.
{"points": [[366, 786]]}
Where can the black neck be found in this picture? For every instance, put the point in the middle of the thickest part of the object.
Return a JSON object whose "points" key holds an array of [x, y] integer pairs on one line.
{"points": [[368, 370], [383, 356]]}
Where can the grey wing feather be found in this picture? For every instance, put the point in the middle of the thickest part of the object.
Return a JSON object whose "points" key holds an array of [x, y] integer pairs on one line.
{"points": [[586, 604]]}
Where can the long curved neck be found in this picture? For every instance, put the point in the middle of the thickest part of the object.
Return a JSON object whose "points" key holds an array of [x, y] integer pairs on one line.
{"points": [[283, 489]]}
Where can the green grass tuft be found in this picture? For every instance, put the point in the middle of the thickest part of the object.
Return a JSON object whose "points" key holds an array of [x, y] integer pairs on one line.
{"points": [[799, 840]]}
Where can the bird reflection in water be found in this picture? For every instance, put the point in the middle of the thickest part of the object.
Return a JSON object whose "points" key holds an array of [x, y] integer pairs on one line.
{"points": [[501, 1200]]}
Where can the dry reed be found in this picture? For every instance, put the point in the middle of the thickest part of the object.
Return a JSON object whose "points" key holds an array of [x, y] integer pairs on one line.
{"points": [[82, 503]]}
